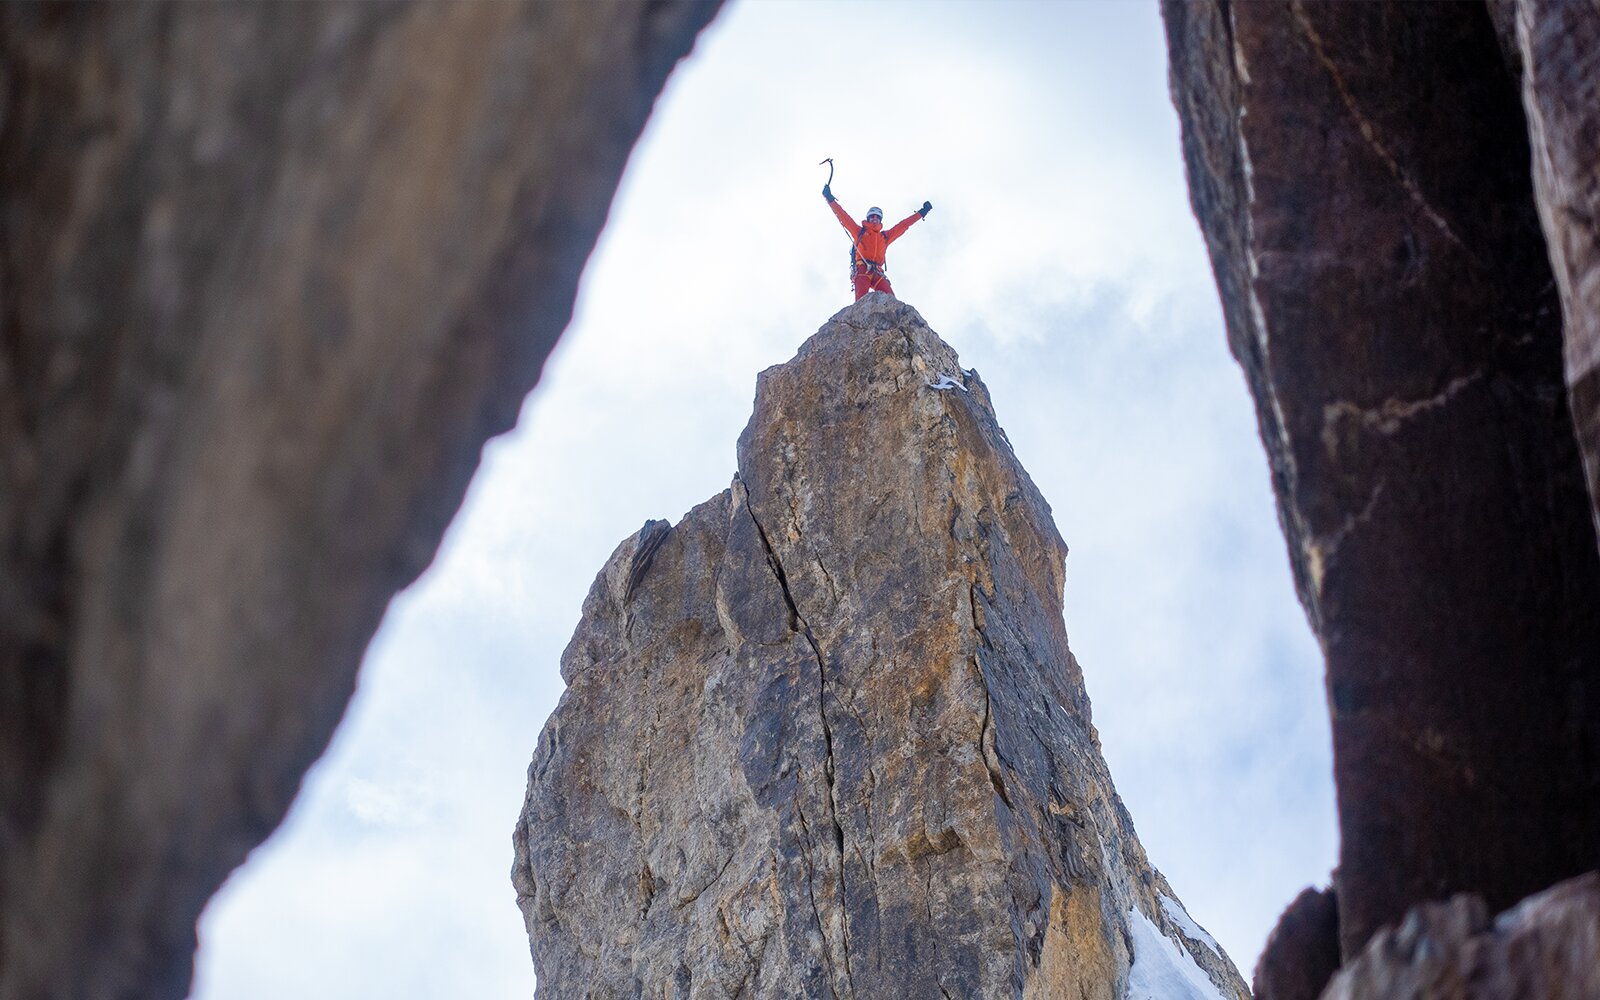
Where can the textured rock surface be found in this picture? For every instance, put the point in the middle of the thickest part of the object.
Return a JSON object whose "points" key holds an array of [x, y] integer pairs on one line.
{"points": [[835, 744], [1559, 47], [1361, 174], [1302, 952], [1547, 947], [269, 277]]}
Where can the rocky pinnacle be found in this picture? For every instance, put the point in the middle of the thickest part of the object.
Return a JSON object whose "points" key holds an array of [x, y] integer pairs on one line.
{"points": [[830, 740]]}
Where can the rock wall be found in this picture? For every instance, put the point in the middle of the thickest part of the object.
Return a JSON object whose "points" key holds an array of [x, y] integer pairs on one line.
{"points": [[826, 738], [1400, 204], [1558, 53], [269, 277], [1547, 946]]}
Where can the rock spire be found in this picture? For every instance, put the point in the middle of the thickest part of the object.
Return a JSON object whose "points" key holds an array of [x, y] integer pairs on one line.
{"points": [[831, 741]]}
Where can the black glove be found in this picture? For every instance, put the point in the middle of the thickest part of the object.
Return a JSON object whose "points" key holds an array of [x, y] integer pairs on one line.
{"points": [[927, 207], [827, 195]]}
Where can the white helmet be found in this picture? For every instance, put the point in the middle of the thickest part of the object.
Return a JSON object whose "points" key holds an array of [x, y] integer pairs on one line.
{"points": [[874, 212]]}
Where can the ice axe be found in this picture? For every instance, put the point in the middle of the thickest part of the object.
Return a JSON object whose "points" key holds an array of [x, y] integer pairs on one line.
{"points": [[854, 249]]}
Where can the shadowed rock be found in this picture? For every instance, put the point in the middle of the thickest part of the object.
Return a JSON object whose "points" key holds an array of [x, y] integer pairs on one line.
{"points": [[1302, 952], [836, 745], [1361, 175], [650, 538], [271, 276]]}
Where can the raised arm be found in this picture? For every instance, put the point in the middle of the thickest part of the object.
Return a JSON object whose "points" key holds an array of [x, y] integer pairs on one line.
{"points": [[899, 228], [851, 227]]}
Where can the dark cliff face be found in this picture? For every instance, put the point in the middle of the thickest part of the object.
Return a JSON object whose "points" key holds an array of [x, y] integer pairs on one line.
{"points": [[1384, 188], [269, 278], [830, 740]]}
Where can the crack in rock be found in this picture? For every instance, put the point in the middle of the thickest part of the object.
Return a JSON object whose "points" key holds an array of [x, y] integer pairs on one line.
{"points": [[803, 628], [1389, 416], [1321, 549], [1369, 132]]}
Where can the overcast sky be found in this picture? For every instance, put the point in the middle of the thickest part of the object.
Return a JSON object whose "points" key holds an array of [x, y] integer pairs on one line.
{"points": [[1060, 260]]}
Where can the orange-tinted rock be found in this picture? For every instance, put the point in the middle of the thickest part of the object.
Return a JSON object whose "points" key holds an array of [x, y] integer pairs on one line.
{"points": [[836, 744]]}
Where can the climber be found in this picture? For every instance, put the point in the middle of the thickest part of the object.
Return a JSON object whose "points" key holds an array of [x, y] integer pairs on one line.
{"points": [[869, 241]]}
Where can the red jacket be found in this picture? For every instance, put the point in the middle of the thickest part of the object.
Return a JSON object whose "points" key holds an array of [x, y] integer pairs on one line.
{"points": [[873, 241]]}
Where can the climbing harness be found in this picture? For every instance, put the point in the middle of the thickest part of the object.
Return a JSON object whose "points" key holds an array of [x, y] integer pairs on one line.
{"points": [[859, 261]]}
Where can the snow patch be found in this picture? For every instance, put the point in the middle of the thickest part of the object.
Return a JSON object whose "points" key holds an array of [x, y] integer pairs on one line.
{"points": [[1162, 970], [1191, 930]]}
